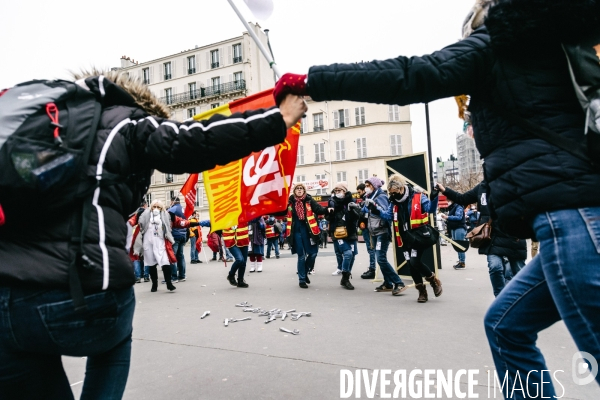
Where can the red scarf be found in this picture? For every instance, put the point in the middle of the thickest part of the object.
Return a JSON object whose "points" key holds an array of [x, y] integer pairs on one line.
{"points": [[300, 207]]}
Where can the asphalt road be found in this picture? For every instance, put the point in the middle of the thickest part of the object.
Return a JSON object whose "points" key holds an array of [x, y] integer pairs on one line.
{"points": [[177, 355]]}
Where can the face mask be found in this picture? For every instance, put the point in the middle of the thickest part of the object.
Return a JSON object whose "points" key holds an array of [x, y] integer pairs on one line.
{"points": [[340, 195], [396, 196], [368, 191], [156, 212]]}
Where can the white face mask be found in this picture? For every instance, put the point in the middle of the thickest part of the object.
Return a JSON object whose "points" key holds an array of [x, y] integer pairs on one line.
{"points": [[156, 212], [340, 195], [368, 190]]}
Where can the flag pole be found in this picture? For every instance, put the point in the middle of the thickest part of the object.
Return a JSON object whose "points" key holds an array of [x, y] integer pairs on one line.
{"points": [[260, 46]]}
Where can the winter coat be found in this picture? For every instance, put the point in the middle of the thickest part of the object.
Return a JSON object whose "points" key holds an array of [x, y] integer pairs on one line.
{"points": [[376, 225], [514, 62], [134, 137], [344, 215], [404, 208], [502, 244], [178, 233], [456, 217], [317, 210]]}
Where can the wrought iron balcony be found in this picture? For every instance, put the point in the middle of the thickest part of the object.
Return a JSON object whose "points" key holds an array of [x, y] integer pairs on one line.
{"points": [[318, 128], [211, 91], [167, 77], [214, 65], [146, 81], [191, 71], [237, 60]]}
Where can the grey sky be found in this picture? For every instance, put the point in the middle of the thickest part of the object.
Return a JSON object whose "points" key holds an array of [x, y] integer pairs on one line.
{"points": [[40, 39]]}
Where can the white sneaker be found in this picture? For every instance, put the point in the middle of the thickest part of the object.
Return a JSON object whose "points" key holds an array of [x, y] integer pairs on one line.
{"points": [[252, 269], [313, 272], [337, 272]]}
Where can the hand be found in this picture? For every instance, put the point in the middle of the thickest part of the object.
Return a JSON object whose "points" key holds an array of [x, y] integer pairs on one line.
{"points": [[368, 202], [353, 205], [444, 216], [289, 84], [440, 187], [292, 109]]}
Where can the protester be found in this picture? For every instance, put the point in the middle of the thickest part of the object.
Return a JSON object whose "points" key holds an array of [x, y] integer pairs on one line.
{"points": [[180, 236], [195, 236], [504, 252], [514, 65], [456, 222], [409, 209], [273, 231], [324, 227], [283, 225], [344, 219], [473, 217], [302, 231], [237, 240], [381, 235], [138, 267], [257, 244], [134, 138], [364, 227]]}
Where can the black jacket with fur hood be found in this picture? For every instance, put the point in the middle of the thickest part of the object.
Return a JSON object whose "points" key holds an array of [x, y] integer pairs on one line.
{"points": [[515, 62], [134, 137]]}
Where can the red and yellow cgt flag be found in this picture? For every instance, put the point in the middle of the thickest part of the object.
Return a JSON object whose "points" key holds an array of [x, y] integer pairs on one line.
{"points": [[256, 185]]}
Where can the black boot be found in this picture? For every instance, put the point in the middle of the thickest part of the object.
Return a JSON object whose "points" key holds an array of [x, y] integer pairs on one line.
{"points": [[241, 283], [154, 277], [346, 281], [166, 269]]}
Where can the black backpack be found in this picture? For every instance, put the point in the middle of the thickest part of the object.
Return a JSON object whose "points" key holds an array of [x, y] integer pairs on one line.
{"points": [[47, 131]]}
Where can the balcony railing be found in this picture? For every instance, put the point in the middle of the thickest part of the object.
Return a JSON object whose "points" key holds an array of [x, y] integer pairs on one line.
{"points": [[210, 91], [214, 65], [146, 81], [237, 60], [191, 71], [167, 77], [318, 128]]}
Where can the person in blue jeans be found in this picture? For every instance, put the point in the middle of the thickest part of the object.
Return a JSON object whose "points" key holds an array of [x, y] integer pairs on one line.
{"points": [[381, 235], [456, 222], [180, 236], [362, 224]]}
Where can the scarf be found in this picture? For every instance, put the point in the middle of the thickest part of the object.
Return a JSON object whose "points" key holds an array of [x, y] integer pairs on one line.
{"points": [[300, 207]]}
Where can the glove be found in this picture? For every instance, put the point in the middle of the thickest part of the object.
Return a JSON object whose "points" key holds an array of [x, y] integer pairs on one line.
{"points": [[368, 202], [353, 205], [289, 84], [192, 224]]}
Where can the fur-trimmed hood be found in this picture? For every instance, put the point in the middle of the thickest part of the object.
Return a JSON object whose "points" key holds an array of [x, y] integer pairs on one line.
{"points": [[528, 27], [122, 89]]}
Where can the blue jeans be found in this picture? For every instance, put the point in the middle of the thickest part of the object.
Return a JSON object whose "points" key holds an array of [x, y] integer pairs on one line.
{"points": [[307, 252], [561, 282], [137, 269], [180, 266], [272, 242], [367, 237], [459, 234], [38, 326], [390, 276], [193, 251], [502, 270], [345, 253], [146, 271], [240, 254]]}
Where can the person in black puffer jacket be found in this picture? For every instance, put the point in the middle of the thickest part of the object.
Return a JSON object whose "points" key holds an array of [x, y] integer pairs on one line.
{"points": [[511, 59], [345, 214], [38, 322], [501, 247]]}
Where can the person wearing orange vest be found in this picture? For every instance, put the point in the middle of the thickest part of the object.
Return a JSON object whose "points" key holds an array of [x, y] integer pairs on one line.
{"points": [[408, 210], [303, 231], [236, 240], [273, 231]]}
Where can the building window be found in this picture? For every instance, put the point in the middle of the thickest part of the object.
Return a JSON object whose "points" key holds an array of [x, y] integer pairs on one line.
{"points": [[170, 195], [148, 198], [341, 176], [359, 113], [363, 175], [169, 178], [191, 63], [191, 112], [303, 125], [192, 91], [396, 144], [146, 76], [340, 150], [199, 197], [340, 119], [237, 53], [237, 78], [317, 122], [215, 83], [319, 152], [321, 177], [361, 148], [167, 68], [394, 113], [214, 59], [300, 157], [300, 178], [169, 96], [214, 105]]}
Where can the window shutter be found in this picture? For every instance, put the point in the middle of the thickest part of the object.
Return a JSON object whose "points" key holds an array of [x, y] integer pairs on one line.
{"points": [[393, 144], [336, 120], [346, 117], [229, 56], [390, 114], [230, 77], [221, 56], [357, 115], [316, 152], [173, 69], [151, 74], [208, 60], [185, 66], [343, 149]]}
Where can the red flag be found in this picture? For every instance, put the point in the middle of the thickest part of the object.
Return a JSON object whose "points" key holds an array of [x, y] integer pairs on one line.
{"points": [[189, 193]]}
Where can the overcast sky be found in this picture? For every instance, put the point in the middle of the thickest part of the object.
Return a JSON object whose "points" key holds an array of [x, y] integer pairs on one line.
{"points": [[46, 39]]}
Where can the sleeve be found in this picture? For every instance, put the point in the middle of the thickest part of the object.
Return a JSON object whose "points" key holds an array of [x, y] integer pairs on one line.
{"points": [[195, 146], [317, 208], [458, 216], [179, 222], [425, 203], [205, 223], [463, 199], [386, 213], [456, 69]]}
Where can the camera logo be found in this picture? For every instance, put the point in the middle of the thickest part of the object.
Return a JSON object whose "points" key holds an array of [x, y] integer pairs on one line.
{"points": [[584, 368]]}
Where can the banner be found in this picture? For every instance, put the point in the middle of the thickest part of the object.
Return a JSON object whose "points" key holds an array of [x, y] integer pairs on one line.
{"points": [[255, 185], [189, 193], [312, 185]]}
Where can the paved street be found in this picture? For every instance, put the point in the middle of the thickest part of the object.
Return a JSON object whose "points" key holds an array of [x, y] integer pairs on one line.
{"points": [[176, 355]]}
